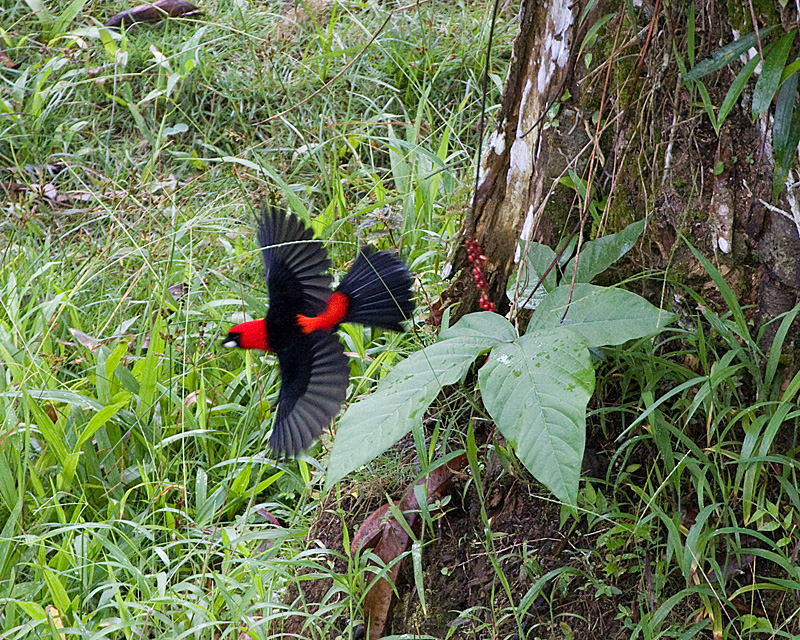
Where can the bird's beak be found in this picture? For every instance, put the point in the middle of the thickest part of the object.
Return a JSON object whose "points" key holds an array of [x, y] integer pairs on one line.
{"points": [[230, 343]]}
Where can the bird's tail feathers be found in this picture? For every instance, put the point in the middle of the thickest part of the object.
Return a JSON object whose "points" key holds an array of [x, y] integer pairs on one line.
{"points": [[378, 287]]}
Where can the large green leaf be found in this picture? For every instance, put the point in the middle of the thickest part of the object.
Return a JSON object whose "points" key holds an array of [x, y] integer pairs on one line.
{"points": [[785, 133], [536, 390], [735, 90], [374, 424], [536, 261], [600, 315], [598, 255]]}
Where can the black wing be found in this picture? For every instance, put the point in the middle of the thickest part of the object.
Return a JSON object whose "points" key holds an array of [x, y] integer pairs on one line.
{"points": [[297, 265], [314, 377]]}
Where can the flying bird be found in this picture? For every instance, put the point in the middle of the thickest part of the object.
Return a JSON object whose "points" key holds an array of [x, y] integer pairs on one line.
{"points": [[303, 316]]}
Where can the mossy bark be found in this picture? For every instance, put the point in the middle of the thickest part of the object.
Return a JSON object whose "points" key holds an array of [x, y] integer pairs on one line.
{"points": [[655, 155]]}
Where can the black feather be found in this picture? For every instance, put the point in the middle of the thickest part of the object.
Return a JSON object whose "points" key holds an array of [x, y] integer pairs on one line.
{"points": [[297, 266], [314, 378], [379, 288]]}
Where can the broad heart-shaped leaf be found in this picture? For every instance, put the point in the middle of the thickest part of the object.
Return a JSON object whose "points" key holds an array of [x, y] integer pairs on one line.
{"points": [[374, 424], [600, 315], [537, 260], [536, 389], [598, 255]]}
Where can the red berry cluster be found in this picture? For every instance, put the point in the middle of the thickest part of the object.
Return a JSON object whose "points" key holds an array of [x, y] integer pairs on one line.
{"points": [[478, 259]]}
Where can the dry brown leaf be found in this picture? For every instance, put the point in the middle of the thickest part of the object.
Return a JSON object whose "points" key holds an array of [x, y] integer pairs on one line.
{"points": [[152, 13], [5, 60], [51, 412], [370, 531], [378, 601], [49, 190], [390, 540], [58, 621], [93, 344], [269, 517], [13, 188], [437, 482], [178, 291]]}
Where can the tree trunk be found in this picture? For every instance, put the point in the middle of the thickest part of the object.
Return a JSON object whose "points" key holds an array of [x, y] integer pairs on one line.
{"points": [[514, 167], [622, 118]]}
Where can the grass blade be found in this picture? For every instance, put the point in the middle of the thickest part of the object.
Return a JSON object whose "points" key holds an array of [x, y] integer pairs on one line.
{"points": [[770, 78], [726, 55]]}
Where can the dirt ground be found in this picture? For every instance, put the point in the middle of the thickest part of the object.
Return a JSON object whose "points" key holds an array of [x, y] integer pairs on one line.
{"points": [[464, 594]]}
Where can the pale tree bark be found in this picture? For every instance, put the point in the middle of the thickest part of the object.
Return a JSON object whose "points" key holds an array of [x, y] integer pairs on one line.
{"points": [[513, 168]]}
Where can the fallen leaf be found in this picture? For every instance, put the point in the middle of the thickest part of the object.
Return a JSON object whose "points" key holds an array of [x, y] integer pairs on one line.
{"points": [[370, 531], [178, 291], [93, 344], [437, 482], [5, 60], [41, 170], [389, 540], [11, 189], [51, 412], [378, 601], [58, 621], [152, 13], [269, 517], [49, 190]]}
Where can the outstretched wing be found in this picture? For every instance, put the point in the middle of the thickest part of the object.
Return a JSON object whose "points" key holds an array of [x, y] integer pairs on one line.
{"points": [[314, 377], [297, 266]]}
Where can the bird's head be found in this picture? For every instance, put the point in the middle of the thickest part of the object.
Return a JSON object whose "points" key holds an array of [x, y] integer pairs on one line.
{"points": [[248, 335]]}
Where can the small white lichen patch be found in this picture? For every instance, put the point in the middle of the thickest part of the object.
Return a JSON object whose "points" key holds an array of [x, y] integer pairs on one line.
{"points": [[541, 78], [497, 142], [523, 103], [555, 50], [527, 227], [525, 235], [520, 160], [562, 21], [721, 217]]}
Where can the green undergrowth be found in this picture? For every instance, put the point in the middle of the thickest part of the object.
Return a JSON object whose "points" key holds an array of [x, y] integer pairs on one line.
{"points": [[136, 494], [699, 501], [137, 498]]}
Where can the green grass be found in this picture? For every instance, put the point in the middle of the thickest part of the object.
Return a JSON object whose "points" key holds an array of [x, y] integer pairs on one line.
{"points": [[136, 496], [135, 490]]}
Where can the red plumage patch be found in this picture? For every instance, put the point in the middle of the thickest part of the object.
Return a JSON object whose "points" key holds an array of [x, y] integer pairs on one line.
{"points": [[252, 335], [338, 304]]}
